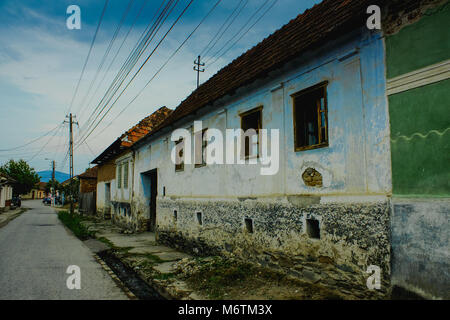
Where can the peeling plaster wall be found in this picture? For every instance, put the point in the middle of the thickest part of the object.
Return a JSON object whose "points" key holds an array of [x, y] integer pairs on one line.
{"points": [[352, 205], [121, 197], [420, 122], [106, 174]]}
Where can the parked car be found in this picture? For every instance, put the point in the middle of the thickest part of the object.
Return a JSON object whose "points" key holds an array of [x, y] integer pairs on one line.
{"points": [[16, 201], [47, 200]]}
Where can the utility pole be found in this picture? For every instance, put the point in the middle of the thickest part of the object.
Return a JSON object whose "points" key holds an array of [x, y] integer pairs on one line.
{"points": [[52, 190], [198, 68], [71, 122], [53, 170]]}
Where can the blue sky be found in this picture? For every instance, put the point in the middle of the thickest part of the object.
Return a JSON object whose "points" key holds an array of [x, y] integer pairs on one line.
{"points": [[41, 61]]}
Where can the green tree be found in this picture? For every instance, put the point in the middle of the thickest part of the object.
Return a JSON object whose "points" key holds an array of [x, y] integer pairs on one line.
{"points": [[71, 190], [25, 178], [53, 184]]}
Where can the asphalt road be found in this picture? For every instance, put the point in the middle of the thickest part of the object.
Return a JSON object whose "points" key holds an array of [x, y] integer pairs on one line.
{"points": [[35, 252]]}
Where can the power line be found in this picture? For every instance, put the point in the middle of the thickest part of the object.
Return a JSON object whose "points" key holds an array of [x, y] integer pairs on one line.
{"points": [[221, 32], [140, 68], [118, 50], [31, 142], [45, 145], [216, 56], [88, 55], [132, 59], [164, 65], [105, 55]]}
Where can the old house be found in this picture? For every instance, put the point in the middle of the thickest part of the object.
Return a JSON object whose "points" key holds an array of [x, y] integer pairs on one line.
{"points": [[87, 193], [36, 193], [6, 192], [418, 88], [115, 173], [318, 86]]}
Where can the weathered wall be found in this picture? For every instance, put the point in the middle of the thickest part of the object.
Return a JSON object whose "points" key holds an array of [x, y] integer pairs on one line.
{"points": [[88, 185], [86, 203], [420, 141], [420, 39], [6, 193], [419, 118], [420, 239], [351, 204], [417, 58], [106, 174], [121, 196], [107, 171]]}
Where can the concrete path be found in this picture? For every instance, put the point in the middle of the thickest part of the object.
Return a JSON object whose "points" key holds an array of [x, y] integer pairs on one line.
{"points": [[140, 243], [35, 252]]}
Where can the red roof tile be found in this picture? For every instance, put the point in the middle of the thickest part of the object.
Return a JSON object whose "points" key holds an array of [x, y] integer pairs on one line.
{"points": [[131, 136], [144, 126], [89, 173]]}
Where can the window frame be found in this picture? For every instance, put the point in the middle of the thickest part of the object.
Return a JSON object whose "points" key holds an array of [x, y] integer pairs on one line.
{"points": [[243, 115], [204, 145], [295, 96], [119, 176], [179, 167], [125, 177]]}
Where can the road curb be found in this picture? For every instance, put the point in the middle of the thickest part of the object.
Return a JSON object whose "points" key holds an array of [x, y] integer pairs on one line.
{"points": [[115, 278], [12, 217]]}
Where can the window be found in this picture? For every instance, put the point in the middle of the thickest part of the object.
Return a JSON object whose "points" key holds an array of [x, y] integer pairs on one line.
{"points": [[180, 155], [249, 225], [251, 120], [199, 218], [119, 176], [310, 118], [313, 228], [200, 154], [125, 175]]}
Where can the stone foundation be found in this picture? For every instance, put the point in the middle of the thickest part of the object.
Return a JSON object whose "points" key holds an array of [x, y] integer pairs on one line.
{"points": [[332, 243], [123, 215]]}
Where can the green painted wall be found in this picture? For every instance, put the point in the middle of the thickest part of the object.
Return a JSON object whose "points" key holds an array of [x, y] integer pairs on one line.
{"points": [[420, 118], [420, 140], [421, 44]]}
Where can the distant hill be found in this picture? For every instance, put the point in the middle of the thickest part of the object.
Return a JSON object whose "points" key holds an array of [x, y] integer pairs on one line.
{"points": [[46, 176]]}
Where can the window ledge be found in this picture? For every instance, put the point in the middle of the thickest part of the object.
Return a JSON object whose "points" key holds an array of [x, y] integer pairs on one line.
{"points": [[316, 146]]}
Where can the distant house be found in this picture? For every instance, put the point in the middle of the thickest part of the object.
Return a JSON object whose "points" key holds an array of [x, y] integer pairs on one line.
{"points": [[115, 165], [6, 192], [88, 188], [36, 193]]}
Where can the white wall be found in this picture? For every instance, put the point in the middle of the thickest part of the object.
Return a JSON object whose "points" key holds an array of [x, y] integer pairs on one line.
{"points": [[356, 163]]}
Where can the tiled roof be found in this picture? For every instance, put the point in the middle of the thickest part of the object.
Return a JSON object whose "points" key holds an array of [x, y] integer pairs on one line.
{"points": [[144, 126], [41, 185], [131, 136], [89, 173], [325, 21]]}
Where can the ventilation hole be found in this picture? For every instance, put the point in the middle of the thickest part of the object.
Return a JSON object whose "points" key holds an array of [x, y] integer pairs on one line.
{"points": [[199, 218], [164, 191], [249, 225], [312, 228], [175, 215]]}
